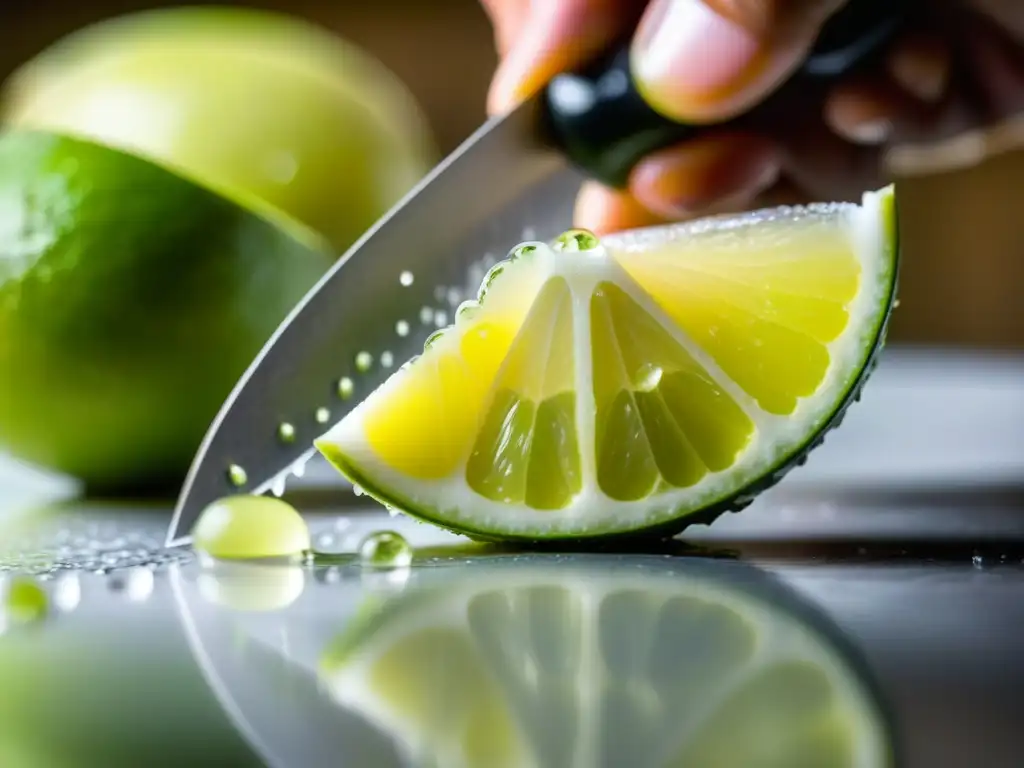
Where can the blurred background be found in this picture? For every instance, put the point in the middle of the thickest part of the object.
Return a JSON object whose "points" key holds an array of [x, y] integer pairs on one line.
{"points": [[964, 232]]}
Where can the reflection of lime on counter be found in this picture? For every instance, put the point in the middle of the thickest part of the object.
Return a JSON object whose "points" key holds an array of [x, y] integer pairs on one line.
{"points": [[171, 184], [589, 666]]}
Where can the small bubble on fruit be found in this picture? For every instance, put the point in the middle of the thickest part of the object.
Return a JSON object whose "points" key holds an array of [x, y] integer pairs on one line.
{"points": [[385, 549], [364, 361], [647, 378], [237, 475], [24, 601], [346, 387], [522, 250], [576, 240], [250, 527], [406, 278], [322, 415], [286, 432], [402, 328], [386, 359]]}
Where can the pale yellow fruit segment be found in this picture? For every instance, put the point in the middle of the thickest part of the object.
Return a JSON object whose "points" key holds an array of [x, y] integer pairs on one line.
{"points": [[422, 422], [764, 308]]}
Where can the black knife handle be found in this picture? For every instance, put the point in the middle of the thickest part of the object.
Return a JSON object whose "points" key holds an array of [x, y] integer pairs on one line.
{"points": [[598, 118]]}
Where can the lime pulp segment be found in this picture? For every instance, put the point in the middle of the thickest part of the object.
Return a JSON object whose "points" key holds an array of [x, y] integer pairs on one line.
{"points": [[647, 381]]}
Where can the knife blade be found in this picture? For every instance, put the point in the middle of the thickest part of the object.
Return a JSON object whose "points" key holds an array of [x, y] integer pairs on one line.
{"points": [[514, 179]]}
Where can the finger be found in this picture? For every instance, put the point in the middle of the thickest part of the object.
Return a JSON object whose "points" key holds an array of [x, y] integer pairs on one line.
{"points": [[555, 37], [507, 17], [709, 60], [603, 210], [690, 178]]}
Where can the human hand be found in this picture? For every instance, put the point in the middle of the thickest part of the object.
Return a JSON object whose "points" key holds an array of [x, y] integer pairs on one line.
{"points": [[958, 68]]}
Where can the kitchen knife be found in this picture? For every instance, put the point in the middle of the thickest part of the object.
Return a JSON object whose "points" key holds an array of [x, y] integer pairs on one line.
{"points": [[514, 179]]}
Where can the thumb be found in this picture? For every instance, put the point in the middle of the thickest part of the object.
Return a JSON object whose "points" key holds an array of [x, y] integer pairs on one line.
{"points": [[709, 60]]}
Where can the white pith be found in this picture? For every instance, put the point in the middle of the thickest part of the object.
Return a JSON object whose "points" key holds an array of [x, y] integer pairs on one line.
{"points": [[779, 637], [452, 501]]}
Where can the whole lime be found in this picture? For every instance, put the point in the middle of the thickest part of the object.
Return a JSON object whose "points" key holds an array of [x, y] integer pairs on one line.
{"points": [[265, 109], [171, 184]]}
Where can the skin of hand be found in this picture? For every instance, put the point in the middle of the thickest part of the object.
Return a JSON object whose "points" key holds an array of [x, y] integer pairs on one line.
{"points": [[929, 101]]}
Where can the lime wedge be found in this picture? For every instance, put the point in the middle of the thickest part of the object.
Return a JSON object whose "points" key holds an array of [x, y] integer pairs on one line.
{"points": [[555, 667], [638, 384]]}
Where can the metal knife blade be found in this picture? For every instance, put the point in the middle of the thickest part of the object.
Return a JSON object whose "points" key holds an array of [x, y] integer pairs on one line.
{"points": [[392, 276]]}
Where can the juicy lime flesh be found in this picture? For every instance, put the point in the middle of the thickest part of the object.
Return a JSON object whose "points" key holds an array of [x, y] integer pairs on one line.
{"points": [[652, 679], [130, 303], [526, 450], [661, 418], [763, 311], [250, 527], [661, 371]]}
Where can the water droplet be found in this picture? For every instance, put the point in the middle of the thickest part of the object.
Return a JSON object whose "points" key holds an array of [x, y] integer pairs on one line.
{"points": [[67, 592], [426, 315], [647, 378], [346, 388], [385, 549], [24, 601], [522, 250], [406, 278], [135, 583], [322, 415], [325, 541], [453, 297], [576, 240], [286, 432], [364, 361], [237, 475], [357, 490], [402, 328], [978, 561], [896, 304], [299, 467], [440, 319], [248, 527], [529, 233], [330, 575], [393, 512], [386, 359], [281, 166], [277, 485]]}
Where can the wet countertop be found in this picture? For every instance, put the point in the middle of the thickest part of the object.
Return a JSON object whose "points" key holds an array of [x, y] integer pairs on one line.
{"points": [[867, 612]]}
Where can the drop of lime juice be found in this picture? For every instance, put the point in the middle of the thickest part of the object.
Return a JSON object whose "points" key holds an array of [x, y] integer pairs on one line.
{"points": [[346, 388], [237, 475], [322, 415], [24, 601], [364, 361], [576, 240], [286, 432], [250, 527], [385, 549]]}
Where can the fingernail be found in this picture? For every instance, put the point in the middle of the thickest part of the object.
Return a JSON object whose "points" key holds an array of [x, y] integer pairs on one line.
{"points": [[685, 49], [690, 179]]}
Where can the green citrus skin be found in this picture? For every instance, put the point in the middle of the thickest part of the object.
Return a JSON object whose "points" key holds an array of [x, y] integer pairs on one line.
{"points": [[131, 300], [268, 110]]}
